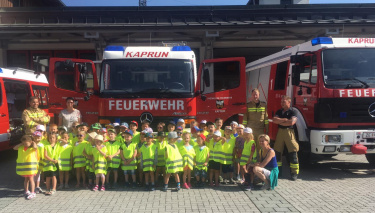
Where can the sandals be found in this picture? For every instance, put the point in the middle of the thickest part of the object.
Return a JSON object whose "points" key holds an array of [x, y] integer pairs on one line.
{"points": [[50, 192], [39, 190]]}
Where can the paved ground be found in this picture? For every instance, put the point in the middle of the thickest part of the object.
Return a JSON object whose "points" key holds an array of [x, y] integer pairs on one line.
{"points": [[344, 183]]}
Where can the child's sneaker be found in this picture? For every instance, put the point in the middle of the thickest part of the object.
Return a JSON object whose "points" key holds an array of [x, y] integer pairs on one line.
{"points": [[31, 196], [212, 184], [67, 186], [61, 186], [95, 188], [217, 184], [178, 188], [27, 193], [165, 188], [147, 187], [189, 184], [134, 185], [152, 187], [102, 189], [185, 186]]}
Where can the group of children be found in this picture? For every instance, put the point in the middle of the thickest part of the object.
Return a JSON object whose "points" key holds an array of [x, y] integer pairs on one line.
{"points": [[93, 153]]}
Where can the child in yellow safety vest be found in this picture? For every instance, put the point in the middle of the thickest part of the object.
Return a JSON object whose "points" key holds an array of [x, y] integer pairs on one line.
{"points": [[161, 143], [27, 164], [64, 157], [173, 161], [50, 162], [37, 136], [228, 155], [188, 154], [99, 162], [149, 157], [215, 144], [249, 156], [128, 153], [113, 159], [87, 152], [79, 159], [202, 154]]}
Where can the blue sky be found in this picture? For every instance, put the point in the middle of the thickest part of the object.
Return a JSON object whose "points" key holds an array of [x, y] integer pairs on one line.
{"points": [[186, 2]]}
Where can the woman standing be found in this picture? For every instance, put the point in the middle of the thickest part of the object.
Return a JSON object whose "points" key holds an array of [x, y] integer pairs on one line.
{"points": [[69, 115]]}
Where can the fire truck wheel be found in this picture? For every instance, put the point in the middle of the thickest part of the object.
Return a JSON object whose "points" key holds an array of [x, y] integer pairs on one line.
{"points": [[371, 159]]}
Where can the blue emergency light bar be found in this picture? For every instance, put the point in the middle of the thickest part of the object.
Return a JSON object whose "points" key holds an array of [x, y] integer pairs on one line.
{"points": [[321, 40], [115, 48], [1, 70], [181, 48]]}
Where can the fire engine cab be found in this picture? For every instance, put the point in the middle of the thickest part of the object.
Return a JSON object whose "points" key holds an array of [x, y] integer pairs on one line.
{"points": [[332, 85], [17, 85], [156, 83]]}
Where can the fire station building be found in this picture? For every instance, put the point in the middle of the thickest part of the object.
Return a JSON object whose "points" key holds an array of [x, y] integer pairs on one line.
{"points": [[31, 31]]}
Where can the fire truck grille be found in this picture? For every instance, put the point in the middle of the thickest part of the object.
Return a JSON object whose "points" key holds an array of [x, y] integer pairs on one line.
{"points": [[345, 110]]}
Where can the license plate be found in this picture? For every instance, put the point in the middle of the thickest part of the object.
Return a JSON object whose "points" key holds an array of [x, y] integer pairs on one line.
{"points": [[368, 135]]}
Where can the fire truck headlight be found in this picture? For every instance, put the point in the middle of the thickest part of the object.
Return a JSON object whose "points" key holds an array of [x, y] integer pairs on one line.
{"points": [[332, 138]]}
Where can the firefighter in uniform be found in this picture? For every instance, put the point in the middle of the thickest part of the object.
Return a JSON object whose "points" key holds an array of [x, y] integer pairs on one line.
{"points": [[256, 116], [286, 117], [34, 116]]}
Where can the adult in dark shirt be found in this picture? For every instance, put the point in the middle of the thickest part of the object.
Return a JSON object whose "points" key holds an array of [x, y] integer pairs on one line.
{"points": [[286, 117]]}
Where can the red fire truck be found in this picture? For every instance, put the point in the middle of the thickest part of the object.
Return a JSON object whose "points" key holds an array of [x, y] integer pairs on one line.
{"points": [[332, 85], [17, 85], [149, 83]]}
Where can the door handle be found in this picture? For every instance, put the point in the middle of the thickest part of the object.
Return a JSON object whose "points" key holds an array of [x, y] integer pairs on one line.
{"points": [[3, 115]]}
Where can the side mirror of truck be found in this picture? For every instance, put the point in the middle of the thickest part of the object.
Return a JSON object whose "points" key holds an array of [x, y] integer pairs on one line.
{"points": [[296, 70], [68, 63], [82, 68], [206, 77]]}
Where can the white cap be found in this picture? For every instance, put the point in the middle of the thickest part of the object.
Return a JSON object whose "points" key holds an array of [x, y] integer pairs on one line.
{"points": [[180, 120], [248, 130], [203, 122], [116, 124], [63, 127], [217, 133], [234, 122], [240, 126], [40, 128], [93, 134], [172, 135], [99, 137]]}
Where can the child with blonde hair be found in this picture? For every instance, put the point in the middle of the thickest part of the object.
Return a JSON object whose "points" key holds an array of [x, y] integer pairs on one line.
{"points": [[64, 156], [79, 159], [27, 164], [50, 161], [188, 154], [99, 162]]}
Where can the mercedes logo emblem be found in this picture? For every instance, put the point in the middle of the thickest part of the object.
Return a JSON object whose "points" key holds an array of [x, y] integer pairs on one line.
{"points": [[371, 110], [146, 116]]}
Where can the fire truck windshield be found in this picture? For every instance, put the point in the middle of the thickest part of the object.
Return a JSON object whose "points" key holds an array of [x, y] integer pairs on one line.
{"points": [[349, 68], [147, 76]]}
